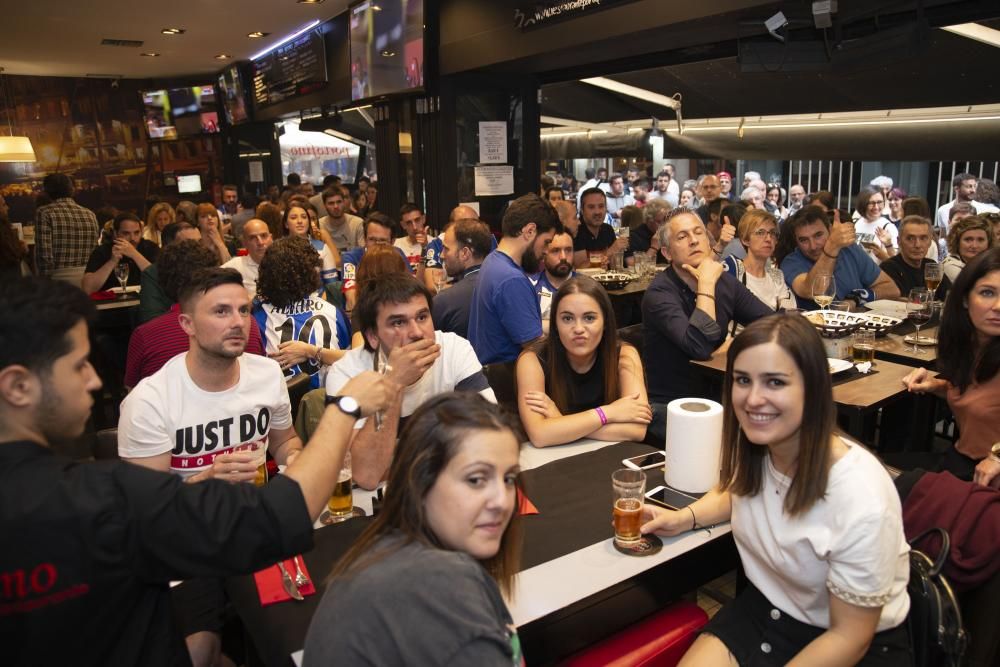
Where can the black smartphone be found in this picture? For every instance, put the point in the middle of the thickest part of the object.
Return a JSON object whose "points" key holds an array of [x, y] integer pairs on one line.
{"points": [[669, 498], [646, 461]]}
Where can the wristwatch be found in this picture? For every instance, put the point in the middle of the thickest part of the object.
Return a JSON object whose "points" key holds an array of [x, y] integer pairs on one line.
{"points": [[995, 451], [346, 404]]}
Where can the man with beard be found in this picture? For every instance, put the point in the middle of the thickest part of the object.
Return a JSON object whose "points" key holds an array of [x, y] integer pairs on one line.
{"points": [[558, 268], [211, 412], [466, 244], [504, 316], [662, 189], [89, 548], [128, 246], [797, 198], [595, 238]]}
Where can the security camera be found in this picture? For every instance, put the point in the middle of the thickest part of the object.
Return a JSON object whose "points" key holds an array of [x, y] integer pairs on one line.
{"points": [[774, 24]]}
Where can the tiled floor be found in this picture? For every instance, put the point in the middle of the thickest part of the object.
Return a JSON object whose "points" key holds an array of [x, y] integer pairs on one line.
{"points": [[717, 592]]}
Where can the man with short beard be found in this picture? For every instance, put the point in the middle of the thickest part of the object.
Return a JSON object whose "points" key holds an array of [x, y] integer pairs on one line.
{"points": [[210, 412], [504, 317], [558, 268]]}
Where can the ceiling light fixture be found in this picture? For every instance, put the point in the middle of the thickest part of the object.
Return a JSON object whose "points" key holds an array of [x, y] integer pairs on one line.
{"points": [[257, 34], [173, 31], [13, 148], [387, 53], [223, 56], [151, 54], [980, 33], [310, 2], [309, 26]]}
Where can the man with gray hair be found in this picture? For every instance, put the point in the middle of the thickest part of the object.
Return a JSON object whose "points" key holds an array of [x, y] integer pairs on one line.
{"points": [[797, 197], [686, 313], [752, 197], [883, 184]]}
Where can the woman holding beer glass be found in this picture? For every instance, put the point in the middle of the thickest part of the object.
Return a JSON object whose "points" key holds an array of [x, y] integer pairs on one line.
{"points": [[969, 353], [581, 382], [816, 519], [436, 557]]}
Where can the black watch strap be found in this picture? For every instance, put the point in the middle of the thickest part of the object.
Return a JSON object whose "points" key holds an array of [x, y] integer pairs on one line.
{"points": [[346, 404]]}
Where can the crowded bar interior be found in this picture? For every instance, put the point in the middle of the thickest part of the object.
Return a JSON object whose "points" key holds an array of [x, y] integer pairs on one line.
{"points": [[500, 332]]}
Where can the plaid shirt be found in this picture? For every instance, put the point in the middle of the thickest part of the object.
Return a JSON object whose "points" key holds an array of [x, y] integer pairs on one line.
{"points": [[65, 235]]}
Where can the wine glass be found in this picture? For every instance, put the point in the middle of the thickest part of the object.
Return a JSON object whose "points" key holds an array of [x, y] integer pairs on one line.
{"points": [[932, 275], [824, 289], [121, 273], [919, 306]]}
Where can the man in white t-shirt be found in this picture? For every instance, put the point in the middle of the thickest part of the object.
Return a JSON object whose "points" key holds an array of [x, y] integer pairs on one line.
{"points": [[394, 316], [212, 411], [412, 220], [617, 199], [256, 239], [964, 186], [663, 190]]}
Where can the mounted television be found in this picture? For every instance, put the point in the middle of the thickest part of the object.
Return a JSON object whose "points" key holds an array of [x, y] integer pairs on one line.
{"points": [[189, 183], [387, 47], [233, 94], [180, 112], [293, 69]]}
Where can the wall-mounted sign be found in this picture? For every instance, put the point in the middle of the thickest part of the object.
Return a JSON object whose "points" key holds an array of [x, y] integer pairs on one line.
{"points": [[492, 142], [540, 14], [491, 181]]}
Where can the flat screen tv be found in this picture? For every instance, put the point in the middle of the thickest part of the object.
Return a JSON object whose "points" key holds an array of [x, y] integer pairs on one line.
{"points": [[387, 47], [180, 112], [189, 183], [233, 95]]}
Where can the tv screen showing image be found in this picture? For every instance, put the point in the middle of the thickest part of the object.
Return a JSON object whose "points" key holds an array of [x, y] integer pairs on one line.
{"points": [[233, 94], [190, 183], [387, 47], [180, 112]]}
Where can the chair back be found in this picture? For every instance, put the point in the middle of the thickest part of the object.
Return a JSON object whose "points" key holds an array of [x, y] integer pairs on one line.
{"points": [[297, 385], [633, 335]]}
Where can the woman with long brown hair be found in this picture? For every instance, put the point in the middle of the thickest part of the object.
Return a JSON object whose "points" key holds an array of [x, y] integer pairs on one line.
{"points": [[581, 381], [816, 518], [446, 542], [211, 233]]}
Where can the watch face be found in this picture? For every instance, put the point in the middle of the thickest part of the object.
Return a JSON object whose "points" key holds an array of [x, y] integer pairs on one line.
{"points": [[350, 406]]}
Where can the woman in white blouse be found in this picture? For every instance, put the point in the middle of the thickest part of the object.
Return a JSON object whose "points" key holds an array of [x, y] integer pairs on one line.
{"points": [[758, 232], [816, 519]]}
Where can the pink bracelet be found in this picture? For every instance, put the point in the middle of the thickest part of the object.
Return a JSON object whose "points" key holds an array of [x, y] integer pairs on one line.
{"points": [[604, 417]]}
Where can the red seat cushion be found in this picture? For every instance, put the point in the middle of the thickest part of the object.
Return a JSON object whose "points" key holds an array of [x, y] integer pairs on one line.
{"points": [[660, 640]]}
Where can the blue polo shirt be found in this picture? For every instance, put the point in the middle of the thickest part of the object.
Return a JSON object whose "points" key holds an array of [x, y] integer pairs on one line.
{"points": [[854, 270], [504, 313]]}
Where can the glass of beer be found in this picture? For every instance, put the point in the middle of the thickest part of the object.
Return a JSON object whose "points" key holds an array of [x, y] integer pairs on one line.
{"points": [[341, 503], [598, 258], [628, 486], [933, 275], [259, 449], [863, 347]]}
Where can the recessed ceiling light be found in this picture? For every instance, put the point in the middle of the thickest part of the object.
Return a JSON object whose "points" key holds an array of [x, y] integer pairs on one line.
{"points": [[151, 54], [388, 54], [257, 34], [223, 56], [310, 2], [173, 31], [376, 8]]}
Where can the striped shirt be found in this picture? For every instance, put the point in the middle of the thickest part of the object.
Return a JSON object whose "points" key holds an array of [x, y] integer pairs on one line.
{"points": [[161, 339], [65, 235]]}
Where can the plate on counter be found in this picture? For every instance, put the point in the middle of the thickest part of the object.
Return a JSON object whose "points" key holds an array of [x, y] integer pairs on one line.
{"points": [[838, 365]]}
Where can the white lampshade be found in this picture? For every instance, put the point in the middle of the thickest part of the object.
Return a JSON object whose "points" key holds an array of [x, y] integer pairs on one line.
{"points": [[16, 149]]}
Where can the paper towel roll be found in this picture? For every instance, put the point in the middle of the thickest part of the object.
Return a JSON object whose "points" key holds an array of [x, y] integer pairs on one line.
{"points": [[693, 444]]}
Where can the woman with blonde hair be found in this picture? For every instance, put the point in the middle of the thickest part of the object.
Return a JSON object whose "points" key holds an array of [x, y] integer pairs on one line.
{"points": [[967, 238], [758, 232], [160, 215]]}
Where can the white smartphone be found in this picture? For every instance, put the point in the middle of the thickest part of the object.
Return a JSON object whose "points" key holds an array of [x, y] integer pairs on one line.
{"points": [[669, 498], [646, 461]]}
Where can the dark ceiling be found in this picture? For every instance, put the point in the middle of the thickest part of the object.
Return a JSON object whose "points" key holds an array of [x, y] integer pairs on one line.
{"points": [[943, 69]]}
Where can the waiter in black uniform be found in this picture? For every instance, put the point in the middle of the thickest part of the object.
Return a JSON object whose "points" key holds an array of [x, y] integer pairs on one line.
{"points": [[87, 550]]}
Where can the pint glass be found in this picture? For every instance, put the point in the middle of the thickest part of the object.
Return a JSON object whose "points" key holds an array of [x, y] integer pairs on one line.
{"points": [[628, 487]]}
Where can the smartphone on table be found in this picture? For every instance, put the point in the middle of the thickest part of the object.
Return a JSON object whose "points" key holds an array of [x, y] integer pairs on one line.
{"points": [[646, 461], [672, 499]]}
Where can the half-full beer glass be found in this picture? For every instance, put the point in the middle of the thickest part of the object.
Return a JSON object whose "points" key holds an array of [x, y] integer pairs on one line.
{"points": [[341, 503], [628, 487]]}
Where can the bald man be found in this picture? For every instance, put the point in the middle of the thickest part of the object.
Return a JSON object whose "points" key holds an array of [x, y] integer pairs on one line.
{"points": [[256, 239], [709, 189], [434, 272]]}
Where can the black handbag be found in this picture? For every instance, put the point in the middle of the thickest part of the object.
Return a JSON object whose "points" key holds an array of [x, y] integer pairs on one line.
{"points": [[935, 620]]}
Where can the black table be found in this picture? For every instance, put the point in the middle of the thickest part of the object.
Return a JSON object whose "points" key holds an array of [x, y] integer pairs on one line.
{"points": [[573, 496]]}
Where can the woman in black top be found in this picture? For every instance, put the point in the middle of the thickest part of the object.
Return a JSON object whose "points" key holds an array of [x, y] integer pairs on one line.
{"points": [[581, 382]]}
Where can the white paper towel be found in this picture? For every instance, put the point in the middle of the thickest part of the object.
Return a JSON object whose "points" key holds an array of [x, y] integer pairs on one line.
{"points": [[693, 445]]}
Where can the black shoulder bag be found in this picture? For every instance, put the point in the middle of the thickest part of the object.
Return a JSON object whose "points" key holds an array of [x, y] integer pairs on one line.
{"points": [[935, 620]]}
